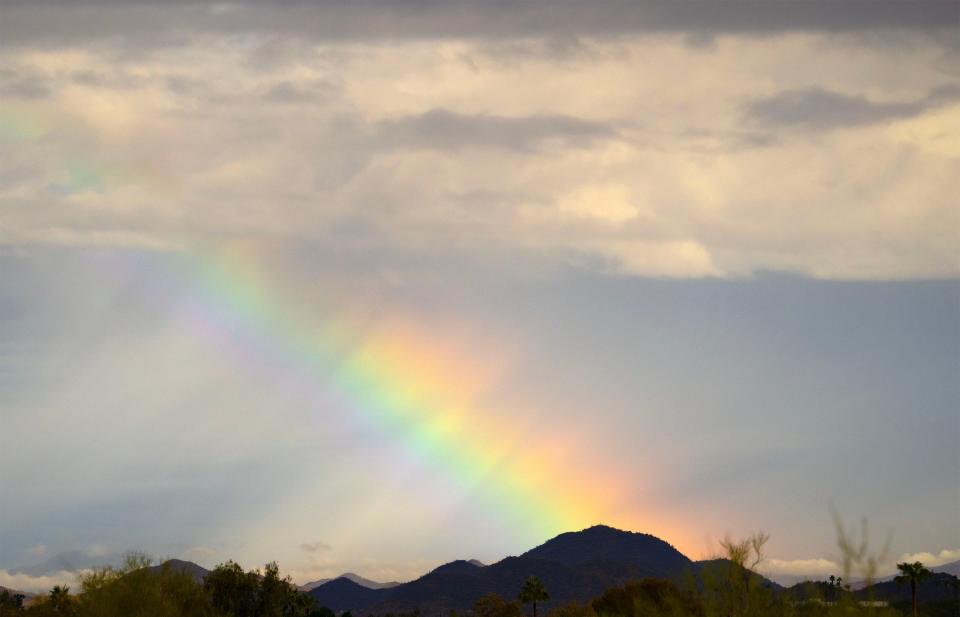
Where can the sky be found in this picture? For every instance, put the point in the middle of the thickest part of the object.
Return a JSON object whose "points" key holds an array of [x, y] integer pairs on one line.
{"points": [[373, 286]]}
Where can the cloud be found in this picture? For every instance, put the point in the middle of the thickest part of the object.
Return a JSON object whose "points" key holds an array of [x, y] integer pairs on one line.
{"points": [[818, 108], [315, 547], [445, 130], [813, 568], [571, 157], [39, 551], [16, 85], [37, 584], [291, 92], [154, 23], [932, 559]]}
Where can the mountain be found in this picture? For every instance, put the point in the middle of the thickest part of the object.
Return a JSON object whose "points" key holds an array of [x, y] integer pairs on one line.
{"points": [[342, 594], [573, 566], [356, 578], [937, 587], [14, 592], [948, 568], [600, 544], [196, 572]]}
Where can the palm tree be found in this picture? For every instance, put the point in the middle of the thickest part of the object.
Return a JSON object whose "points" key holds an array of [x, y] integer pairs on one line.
{"points": [[60, 599], [912, 573], [533, 591]]}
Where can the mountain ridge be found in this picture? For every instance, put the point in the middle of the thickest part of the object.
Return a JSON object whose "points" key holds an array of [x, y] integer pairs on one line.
{"points": [[576, 565]]}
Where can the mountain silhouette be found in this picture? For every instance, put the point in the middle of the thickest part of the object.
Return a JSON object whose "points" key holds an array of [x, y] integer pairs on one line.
{"points": [[196, 572], [342, 594], [948, 568], [605, 545], [574, 566], [356, 578]]}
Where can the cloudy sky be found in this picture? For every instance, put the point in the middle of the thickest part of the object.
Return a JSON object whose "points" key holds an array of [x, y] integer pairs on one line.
{"points": [[376, 285]]}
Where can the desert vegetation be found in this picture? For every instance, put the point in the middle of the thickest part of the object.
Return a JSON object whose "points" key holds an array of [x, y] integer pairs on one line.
{"points": [[727, 586]]}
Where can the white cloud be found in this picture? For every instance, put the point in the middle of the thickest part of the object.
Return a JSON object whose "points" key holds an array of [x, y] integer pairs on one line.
{"points": [[932, 559], [37, 584], [643, 174], [814, 568]]}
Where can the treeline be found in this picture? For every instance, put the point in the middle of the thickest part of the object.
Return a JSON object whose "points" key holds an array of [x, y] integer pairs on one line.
{"points": [[138, 590], [721, 591], [726, 587]]}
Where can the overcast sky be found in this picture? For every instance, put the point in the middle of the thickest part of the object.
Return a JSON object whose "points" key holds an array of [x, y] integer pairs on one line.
{"points": [[684, 268]]}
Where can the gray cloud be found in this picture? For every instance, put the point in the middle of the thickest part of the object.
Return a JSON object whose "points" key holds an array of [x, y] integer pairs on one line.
{"points": [[315, 547], [24, 86], [290, 92], [819, 108], [445, 130], [145, 22]]}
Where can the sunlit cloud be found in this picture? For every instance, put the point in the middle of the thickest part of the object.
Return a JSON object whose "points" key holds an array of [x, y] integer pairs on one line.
{"points": [[932, 559], [37, 584]]}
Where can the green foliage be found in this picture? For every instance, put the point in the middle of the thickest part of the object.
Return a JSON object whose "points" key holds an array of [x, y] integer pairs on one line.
{"points": [[10, 603], [731, 587], [232, 591], [137, 590], [492, 605], [912, 573], [533, 591], [647, 597], [573, 609]]}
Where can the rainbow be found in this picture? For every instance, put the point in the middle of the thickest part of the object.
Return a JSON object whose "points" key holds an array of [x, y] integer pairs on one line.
{"points": [[81, 172], [395, 382], [389, 377]]}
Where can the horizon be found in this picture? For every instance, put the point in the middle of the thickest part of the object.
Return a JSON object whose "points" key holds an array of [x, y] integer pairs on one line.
{"points": [[374, 286], [887, 567]]}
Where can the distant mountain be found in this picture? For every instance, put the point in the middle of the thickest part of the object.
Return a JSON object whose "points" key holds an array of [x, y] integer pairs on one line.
{"points": [[937, 587], [573, 566], [356, 578], [71, 561], [948, 568], [196, 572], [342, 594], [15, 592]]}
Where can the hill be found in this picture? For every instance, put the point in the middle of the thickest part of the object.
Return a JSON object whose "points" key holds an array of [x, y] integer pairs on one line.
{"points": [[342, 594], [574, 566], [356, 578], [196, 572], [948, 568], [644, 553], [937, 587], [14, 592]]}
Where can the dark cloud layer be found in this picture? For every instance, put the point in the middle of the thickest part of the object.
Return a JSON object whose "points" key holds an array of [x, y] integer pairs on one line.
{"points": [[445, 130], [818, 108], [143, 23]]}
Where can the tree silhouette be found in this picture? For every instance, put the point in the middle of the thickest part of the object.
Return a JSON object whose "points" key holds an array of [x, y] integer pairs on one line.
{"points": [[533, 591], [60, 600], [912, 573]]}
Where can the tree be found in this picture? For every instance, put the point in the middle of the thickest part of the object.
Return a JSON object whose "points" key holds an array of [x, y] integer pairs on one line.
{"points": [[10, 603], [231, 590], [912, 573], [533, 591], [60, 601], [492, 605]]}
